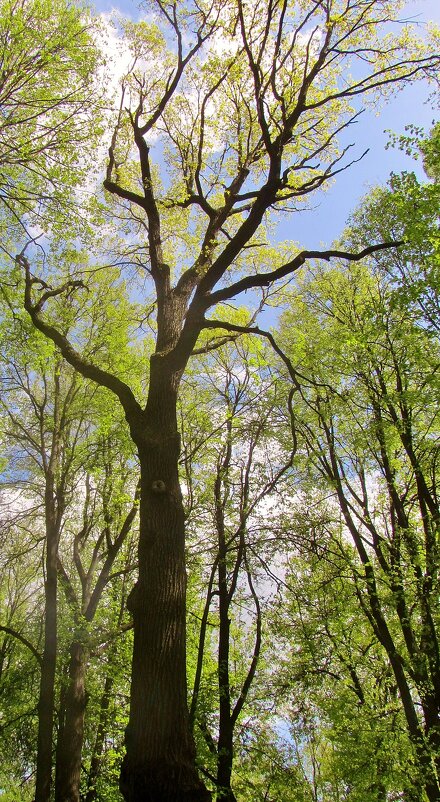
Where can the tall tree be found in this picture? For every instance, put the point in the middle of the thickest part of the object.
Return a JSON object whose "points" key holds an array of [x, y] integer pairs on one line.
{"points": [[108, 514], [332, 675], [243, 105], [369, 423], [232, 472], [39, 415], [65, 456]]}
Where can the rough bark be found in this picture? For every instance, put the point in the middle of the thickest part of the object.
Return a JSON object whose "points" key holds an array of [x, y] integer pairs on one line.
{"points": [[159, 765], [68, 768], [46, 702]]}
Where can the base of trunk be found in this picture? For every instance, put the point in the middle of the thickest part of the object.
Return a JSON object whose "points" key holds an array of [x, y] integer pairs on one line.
{"points": [[161, 785]]}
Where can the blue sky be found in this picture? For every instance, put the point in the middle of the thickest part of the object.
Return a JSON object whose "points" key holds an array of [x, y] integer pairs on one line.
{"points": [[330, 211]]}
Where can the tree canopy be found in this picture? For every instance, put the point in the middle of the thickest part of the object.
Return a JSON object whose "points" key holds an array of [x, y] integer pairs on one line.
{"points": [[284, 580]]}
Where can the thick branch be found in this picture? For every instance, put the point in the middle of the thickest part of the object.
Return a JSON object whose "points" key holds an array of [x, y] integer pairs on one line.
{"points": [[125, 194], [24, 641], [223, 324], [265, 279], [85, 368]]}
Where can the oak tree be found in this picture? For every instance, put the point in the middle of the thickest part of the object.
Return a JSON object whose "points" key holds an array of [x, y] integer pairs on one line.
{"points": [[230, 112]]}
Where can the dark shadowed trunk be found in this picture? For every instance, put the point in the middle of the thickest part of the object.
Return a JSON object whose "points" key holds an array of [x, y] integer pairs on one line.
{"points": [[68, 768], [54, 504], [46, 702], [226, 726], [160, 752], [98, 746]]}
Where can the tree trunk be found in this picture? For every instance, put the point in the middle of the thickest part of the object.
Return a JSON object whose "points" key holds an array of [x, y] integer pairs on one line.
{"points": [[225, 736], [68, 768], [46, 702], [95, 762], [432, 727], [159, 765]]}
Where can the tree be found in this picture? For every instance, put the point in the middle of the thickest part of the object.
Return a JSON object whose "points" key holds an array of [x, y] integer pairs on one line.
{"points": [[20, 661], [40, 441], [49, 101], [232, 473], [369, 424], [247, 104], [109, 511], [73, 476], [333, 681]]}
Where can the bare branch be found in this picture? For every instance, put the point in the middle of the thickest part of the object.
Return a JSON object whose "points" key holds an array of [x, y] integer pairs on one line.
{"points": [[265, 279]]}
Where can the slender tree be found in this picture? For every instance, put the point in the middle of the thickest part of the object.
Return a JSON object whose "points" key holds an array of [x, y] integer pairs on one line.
{"points": [[231, 473], [332, 675], [39, 416], [368, 423], [74, 481]]}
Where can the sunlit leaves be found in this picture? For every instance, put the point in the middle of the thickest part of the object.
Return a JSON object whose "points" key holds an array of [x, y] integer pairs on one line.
{"points": [[49, 107]]}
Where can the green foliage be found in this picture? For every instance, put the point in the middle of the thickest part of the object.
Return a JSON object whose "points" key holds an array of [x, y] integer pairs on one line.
{"points": [[242, 112], [47, 410], [363, 340], [50, 118], [430, 148]]}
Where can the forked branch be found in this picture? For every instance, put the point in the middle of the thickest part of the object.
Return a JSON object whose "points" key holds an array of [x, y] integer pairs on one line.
{"points": [[266, 279], [70, 354]]}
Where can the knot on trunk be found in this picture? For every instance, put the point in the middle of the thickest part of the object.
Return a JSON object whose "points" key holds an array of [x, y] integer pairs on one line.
{"points": [[158, 487]]}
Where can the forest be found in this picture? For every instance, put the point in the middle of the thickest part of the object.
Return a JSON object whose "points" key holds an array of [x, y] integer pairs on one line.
{"points": [[219, 507]]}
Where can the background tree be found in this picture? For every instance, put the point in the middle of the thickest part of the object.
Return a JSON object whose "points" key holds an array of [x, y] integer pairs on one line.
{"points": [[369, 424], [72, 479], [231, 474], [20, 630], [334, 683]]}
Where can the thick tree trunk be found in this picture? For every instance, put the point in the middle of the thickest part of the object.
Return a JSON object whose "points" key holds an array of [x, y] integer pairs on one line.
{"points": [[225, 737], [68, 768], [46, 702], [159, 765]]}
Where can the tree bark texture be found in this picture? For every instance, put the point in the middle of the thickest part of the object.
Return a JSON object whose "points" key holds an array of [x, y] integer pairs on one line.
{"points": [[69, 747], [46, 701], [159, 765]]}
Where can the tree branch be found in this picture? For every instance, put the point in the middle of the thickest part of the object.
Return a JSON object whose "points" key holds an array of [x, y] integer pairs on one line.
{"points": [[85, 368], [24, 641], [265, 279]]}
